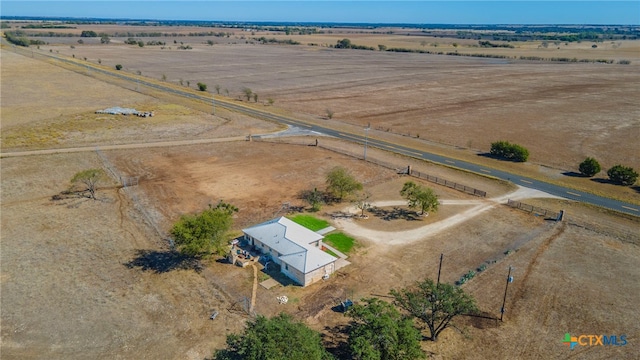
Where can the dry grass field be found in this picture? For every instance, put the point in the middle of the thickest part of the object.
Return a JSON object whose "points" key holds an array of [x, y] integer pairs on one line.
{"points": [[93, 279], [561, 112]]}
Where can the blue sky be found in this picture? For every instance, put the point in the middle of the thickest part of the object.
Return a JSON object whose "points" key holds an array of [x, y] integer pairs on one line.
{"points": [[359, 11]]}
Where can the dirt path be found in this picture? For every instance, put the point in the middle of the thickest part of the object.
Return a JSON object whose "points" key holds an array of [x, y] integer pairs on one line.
{"points": [[254, 291], [410, 236], [121, 146]]}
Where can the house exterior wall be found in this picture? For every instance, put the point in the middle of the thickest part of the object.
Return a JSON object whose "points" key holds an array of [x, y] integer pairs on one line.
{"points": [[294, 274], [265, 249], [317, 274]]}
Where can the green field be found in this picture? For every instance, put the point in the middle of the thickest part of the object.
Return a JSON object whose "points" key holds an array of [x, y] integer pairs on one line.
{"points": [[310, 222], [340, 241]]}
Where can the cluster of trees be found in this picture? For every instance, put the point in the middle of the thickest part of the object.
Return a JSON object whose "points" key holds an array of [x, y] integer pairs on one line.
{"points": [[489, 44], [508, 151], [341, 185], [88, 33], [17, 38], [346, 44], [377, 330], [618, 174], [265, 40], [248, 93], [203, 234], [132, 41]]}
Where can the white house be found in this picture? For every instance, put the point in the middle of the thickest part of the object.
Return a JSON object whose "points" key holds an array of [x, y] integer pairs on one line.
{"points": [[295, 248]]}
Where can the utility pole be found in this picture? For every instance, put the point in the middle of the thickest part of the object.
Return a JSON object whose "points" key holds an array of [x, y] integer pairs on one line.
{"points": [[504, 300], [366, 138]]}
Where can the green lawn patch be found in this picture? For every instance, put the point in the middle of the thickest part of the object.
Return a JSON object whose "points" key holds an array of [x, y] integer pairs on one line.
{"points": [[331, 253], [310, 222], [340, 241]]}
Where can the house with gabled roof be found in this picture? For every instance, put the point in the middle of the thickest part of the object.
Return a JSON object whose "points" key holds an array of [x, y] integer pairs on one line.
{"points": [[295, 248]]}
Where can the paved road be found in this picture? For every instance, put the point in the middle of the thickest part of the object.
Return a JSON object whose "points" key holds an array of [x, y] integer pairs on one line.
{"points": [[557, 190]]}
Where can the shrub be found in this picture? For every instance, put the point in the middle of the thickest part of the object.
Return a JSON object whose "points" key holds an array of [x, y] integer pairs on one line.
{"points": [[202, 86], [508, 151], [589, 167], [622, 175], [118, 67]]}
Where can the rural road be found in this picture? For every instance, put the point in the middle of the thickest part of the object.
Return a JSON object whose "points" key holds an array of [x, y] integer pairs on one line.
{"points": [[556, 190]]}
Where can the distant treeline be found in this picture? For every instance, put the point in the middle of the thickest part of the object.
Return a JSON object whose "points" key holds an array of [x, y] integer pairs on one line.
{"points": [[47, 26], [264, 40], [303, 27], [91, 33], [495, 56]]}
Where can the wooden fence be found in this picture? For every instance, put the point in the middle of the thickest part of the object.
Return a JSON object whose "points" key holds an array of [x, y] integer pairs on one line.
{"points": [[447, 183], [548, 214]]}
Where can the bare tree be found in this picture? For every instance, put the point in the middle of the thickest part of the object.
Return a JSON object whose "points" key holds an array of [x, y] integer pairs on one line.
{"points": [[361, 200], [329, 113], [89, 178]]}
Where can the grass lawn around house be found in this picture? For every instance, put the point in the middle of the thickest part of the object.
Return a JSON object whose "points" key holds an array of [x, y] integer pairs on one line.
{"points": [[340, 241], [331, 253], [310, 222]]}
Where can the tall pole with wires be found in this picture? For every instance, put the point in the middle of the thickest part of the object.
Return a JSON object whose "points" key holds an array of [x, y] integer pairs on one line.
{"points": [[366, 139]]}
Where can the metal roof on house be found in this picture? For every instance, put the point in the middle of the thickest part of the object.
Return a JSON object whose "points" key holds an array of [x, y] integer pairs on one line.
{"points": [[293, 242]]}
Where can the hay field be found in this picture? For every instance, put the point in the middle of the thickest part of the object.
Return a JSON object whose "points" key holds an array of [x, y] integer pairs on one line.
{"points": [[561, 112], [67, 289]]}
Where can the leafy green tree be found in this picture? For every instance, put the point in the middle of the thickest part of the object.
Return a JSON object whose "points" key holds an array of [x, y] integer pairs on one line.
{"points": [[379, 332], [508, 151], [279, 338], [420, 197], [247, 93], [88, 33], [89, 180], [622, 175], [204, 233], [201, 86], [589, 167], [118, 67], [343, 44], [340, 183], [435, 305]]}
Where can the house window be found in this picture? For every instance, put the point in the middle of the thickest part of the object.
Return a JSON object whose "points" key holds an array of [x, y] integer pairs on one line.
{"points": [[286, 267]]}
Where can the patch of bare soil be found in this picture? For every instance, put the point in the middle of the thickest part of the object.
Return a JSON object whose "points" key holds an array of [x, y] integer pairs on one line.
{"points": [[73, 284]]}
